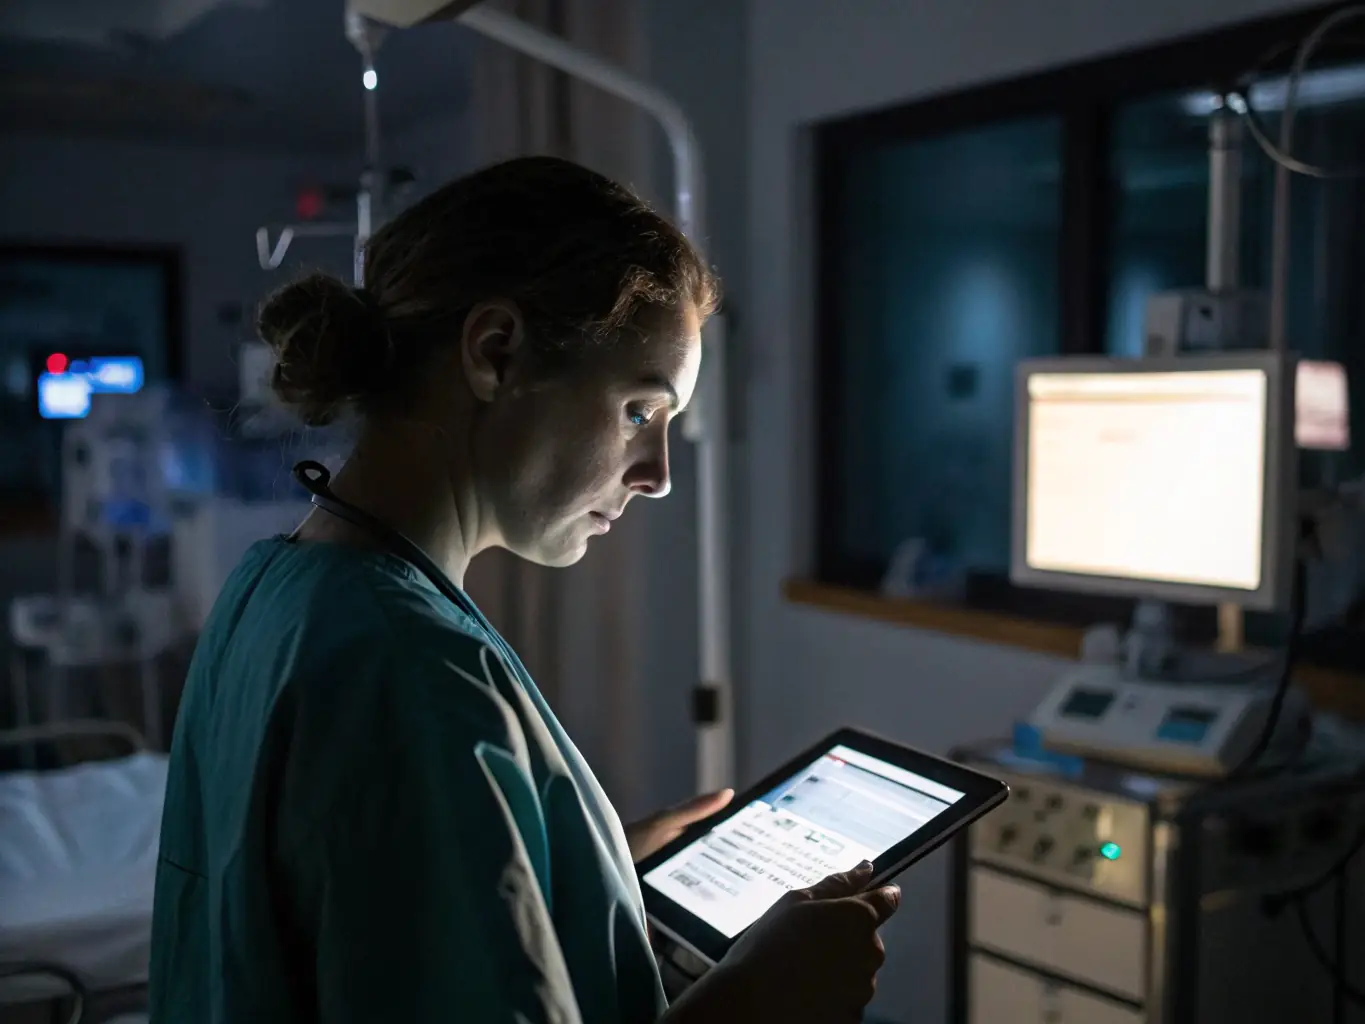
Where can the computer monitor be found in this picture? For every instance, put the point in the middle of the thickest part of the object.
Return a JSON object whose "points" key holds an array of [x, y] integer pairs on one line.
{"points": [[1169, 479]]}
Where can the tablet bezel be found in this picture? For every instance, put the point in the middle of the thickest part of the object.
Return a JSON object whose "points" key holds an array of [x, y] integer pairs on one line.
{"points": [[981, 793]]}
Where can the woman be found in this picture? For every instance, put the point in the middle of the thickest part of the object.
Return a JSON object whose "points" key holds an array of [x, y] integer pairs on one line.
{"points": [[372, 815]]}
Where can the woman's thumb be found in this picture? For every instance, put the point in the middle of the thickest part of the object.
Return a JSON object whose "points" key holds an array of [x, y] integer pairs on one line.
{"points": [[845, 883], [701, 806]]}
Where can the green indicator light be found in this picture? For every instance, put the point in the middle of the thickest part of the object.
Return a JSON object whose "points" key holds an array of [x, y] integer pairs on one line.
{"points": [[1110, 851]]}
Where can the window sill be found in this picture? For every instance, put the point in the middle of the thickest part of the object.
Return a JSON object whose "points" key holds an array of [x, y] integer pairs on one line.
{"points": [[1330, 690]]}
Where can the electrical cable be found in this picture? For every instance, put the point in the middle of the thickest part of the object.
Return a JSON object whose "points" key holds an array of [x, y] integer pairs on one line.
{"points": [[1282, 214], [1262, 66], [1282, 156], [1246, 109], [1309, 545], [1343, 987], [34, 968], [1298, 601], [1256, 128], [1339, 991], [1273, 903]]}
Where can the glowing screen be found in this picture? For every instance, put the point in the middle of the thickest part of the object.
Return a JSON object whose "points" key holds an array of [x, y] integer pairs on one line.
{"points": [[1148, 476], [64, 390]]}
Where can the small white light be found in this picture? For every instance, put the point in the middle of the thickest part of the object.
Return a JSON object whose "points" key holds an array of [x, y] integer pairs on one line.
{"points": [[1319, 88], [371, 79]]}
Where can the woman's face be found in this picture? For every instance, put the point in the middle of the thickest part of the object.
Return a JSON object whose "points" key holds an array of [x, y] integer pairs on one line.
{"points": [[560, 456]]}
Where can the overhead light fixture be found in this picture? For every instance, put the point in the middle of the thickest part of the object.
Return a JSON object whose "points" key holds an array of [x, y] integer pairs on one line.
{"points": [[1316, 89]]}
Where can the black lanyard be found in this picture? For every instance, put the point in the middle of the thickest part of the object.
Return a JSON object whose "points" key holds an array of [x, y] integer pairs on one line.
{"points": [[316, 478]]}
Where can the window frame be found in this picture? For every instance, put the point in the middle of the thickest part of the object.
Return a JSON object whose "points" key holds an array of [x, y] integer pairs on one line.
{"points": [[37, 515], [1086, 97]]}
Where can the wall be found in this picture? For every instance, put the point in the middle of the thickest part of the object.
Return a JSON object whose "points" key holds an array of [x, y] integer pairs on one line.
{"points": [[809, 60], [436, 151], [205, 202]]}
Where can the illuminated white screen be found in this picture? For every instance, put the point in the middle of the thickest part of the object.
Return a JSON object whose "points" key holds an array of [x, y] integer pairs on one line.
{"points": [[842, 809], [63, 396], [1148, 476]]}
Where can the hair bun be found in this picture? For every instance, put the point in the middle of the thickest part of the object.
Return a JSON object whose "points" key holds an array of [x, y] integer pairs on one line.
{"points": [[329, 345]]}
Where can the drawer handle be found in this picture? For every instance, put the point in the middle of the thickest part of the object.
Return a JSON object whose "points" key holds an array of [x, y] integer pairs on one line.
{"points": [[1051, 1007], [1052, 912]]}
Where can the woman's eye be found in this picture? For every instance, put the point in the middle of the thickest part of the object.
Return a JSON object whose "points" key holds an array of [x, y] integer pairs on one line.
{"points": [[638, 416]]}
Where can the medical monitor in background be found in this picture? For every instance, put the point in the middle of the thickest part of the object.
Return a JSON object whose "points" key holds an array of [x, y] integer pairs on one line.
{"points": [[1169, 479], [65, 384]]}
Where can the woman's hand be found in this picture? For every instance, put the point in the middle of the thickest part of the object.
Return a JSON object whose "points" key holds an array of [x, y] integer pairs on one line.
{"points": [[645, 837], [812, 959]]}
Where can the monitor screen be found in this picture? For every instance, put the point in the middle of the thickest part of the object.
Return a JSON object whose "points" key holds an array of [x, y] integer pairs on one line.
{"points": [[1186, 725], [845, 808], [1151, 475], [1088, 703], [65, 384]]}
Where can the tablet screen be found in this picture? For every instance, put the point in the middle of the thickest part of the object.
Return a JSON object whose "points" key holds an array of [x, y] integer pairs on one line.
{"points": [[844, 808]]}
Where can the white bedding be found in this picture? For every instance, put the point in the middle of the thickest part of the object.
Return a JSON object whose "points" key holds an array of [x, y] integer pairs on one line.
{"points": [[78, 851]]}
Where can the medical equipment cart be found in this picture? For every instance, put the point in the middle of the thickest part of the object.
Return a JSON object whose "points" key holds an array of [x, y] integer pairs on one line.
{"points": [[1103, 895]]}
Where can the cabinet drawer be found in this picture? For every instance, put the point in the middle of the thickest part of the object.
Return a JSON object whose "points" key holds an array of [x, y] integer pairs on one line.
{"points": [[1001, 994], [1070, 935]]}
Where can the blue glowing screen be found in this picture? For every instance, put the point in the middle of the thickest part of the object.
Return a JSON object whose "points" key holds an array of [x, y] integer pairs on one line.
{"points": [[66, 395]]}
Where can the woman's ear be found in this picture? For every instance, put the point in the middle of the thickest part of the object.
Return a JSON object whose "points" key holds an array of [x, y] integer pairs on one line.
{"points": [[493, 340]]}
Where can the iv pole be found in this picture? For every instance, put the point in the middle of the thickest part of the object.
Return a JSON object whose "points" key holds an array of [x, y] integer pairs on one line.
{"points": [[365, 35], [705, 423], [1222, 271]]}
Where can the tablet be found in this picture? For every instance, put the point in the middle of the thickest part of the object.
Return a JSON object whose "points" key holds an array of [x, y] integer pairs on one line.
{"points": [[851, 797]]}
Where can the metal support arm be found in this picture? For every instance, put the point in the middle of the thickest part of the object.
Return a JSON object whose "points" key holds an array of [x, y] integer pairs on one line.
{"points": [[706, 423], [366, 22], [565, 57]]}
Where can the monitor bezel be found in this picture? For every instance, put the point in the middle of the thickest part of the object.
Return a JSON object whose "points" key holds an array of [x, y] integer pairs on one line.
{"points": [[1278, 533]]}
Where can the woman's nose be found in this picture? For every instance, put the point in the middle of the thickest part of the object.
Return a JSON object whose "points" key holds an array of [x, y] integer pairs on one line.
{"points": [[649, 476]]}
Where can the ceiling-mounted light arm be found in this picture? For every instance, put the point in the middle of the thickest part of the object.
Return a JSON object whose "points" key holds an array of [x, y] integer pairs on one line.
{"points": [[566, 57], [706, 419]]}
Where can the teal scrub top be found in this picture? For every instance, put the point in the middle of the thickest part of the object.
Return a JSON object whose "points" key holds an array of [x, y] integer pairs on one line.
{"points": [[373, 815]]}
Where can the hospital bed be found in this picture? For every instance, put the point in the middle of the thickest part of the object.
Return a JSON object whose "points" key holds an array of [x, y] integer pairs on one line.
{"points": [[78, 850]]}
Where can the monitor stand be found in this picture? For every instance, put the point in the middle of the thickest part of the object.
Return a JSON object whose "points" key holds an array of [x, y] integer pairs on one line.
{"points": [[1155, 706]]}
